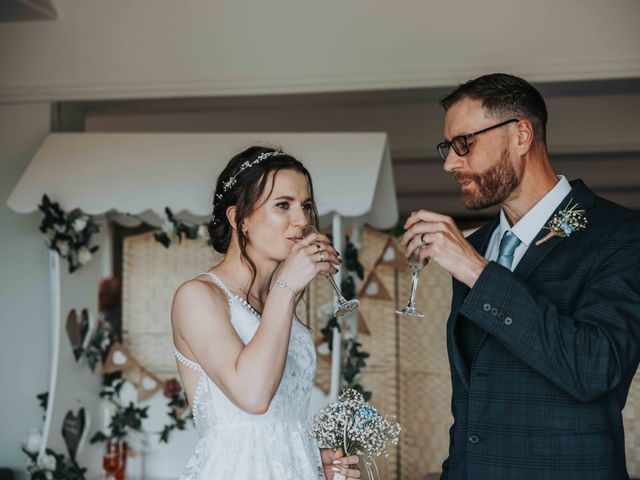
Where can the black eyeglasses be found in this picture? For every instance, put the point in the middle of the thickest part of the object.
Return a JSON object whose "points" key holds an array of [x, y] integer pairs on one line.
{"points": [[459, 143]]}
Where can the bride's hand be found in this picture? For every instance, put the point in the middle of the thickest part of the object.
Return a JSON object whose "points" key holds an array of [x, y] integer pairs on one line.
{"points": [[334, 461], [310, 256]]}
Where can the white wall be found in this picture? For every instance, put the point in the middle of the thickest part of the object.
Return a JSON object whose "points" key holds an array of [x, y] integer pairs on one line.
{"points": [[159, 48], [25, 342]]}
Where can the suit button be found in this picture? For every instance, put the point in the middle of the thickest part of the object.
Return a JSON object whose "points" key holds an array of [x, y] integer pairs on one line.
{"points": [[508, 321], [474, 439], [486, 307], [494, 311], [500, 315]]}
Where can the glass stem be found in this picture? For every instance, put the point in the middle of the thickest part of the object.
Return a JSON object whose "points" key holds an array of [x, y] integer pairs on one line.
{"points": [[414, 287], [341, 299]]}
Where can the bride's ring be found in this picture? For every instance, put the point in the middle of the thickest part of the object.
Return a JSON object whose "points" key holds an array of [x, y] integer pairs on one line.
{"points": [[322, 257], [424, 243]]}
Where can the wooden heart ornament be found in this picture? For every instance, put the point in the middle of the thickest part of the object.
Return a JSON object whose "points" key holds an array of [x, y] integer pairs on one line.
{"points": [[73, 428], [77, 327], [149, 384], [118, 359]]}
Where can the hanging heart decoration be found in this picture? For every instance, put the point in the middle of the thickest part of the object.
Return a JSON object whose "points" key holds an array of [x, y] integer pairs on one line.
{"points": [[77, 328], [73, 427]]}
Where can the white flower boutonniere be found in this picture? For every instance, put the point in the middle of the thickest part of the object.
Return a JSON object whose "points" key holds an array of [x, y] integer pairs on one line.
{"points": [[568, 220]]}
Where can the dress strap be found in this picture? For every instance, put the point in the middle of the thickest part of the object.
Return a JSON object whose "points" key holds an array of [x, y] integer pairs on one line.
{"points": [[185, 361], [219, 283], [232, 296]]}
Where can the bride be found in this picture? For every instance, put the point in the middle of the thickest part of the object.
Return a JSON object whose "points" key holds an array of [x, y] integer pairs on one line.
{"points": [[247, 363]]}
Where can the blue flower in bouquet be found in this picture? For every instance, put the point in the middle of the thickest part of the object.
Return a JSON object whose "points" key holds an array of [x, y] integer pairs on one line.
{"points": [[362, 415], [355, 426]]}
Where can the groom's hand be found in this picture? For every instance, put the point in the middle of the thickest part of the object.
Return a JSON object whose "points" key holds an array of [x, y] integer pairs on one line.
{"points": [[334, 461], [437, 237]]}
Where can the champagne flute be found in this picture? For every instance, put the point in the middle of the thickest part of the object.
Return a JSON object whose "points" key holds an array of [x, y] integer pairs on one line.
{"points": [[416, 267], [345, 306]]}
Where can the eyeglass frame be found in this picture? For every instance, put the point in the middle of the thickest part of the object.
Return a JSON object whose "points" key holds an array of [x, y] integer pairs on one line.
{"points": [[450, 144]]}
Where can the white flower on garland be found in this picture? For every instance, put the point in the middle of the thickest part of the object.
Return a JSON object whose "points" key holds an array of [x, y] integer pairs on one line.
{"points": [[33, 441], [175, 229], [63, 247], [167, 227], [47, 462], [84, 256], [203, 232], [69, 234], [80, 223]]}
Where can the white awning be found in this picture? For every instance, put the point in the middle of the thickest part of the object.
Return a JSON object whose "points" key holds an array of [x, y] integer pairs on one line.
{"points": [[142, 173]]}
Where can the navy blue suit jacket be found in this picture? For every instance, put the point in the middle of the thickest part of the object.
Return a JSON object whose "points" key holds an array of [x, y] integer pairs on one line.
{"points": [[557, 345]]}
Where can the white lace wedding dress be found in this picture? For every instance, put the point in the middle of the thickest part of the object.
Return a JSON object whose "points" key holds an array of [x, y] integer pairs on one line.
{"points": [[234, 444]]}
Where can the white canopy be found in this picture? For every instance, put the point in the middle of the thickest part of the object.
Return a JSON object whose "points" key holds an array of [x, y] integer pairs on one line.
{"points": [[138, 173]]}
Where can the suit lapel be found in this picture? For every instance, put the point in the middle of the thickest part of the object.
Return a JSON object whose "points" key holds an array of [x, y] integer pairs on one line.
{"points": [[480, 241], [535, 254]]}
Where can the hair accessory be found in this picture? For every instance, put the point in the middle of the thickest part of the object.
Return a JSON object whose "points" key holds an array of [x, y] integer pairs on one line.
{"points": [[245, 165]]}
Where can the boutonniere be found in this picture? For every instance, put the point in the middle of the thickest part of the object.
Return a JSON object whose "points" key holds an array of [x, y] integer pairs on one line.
{"points": [[568, 220]]}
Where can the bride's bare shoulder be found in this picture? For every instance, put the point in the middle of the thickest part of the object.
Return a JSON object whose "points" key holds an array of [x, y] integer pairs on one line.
{"points": [[198, 295]]}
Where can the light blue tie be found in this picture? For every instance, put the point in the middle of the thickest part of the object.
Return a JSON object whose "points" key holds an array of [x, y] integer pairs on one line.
{"points": [[508, 246]]}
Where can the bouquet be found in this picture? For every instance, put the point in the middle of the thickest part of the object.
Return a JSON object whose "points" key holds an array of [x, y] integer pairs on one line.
{"points": [[357, 427]]}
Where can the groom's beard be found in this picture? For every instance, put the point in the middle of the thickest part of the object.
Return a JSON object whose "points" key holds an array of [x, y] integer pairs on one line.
{"points": [[493, 186]]}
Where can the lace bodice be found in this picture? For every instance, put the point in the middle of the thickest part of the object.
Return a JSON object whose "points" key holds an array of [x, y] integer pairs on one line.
{"points": [[224, 429]]}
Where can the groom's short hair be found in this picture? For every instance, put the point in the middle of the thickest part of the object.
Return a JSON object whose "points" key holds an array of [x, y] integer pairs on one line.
{"points": [[503, 96]]}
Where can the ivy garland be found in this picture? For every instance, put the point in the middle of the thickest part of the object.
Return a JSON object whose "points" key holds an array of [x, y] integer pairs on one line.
{"points": [[178, 409], [53, 466], [173, 228], [69, 234], [124, 418]]}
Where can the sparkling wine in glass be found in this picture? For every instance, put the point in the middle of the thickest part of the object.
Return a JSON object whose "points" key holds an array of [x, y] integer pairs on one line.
{"points": [[345, 306], [416, 267]]}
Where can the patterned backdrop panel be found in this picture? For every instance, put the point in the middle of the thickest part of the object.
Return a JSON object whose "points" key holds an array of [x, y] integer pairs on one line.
{"points": [[151, 274]]}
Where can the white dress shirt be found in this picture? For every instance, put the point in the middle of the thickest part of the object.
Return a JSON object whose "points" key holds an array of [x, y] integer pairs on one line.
{"points": [[530, 224]]}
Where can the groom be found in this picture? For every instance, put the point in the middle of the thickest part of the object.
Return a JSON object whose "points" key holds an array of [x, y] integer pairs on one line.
{"points": [[544, 332]]}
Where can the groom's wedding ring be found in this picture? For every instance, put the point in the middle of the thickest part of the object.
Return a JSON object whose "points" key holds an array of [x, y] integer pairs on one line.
{"points": [[422, 240]]}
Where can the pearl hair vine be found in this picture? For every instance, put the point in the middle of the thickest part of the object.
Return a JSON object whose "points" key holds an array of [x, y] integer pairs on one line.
{"points": [[231, 181]]}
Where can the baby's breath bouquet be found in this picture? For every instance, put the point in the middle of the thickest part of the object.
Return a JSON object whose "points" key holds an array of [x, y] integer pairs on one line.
{"points": [[358, 428]]}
